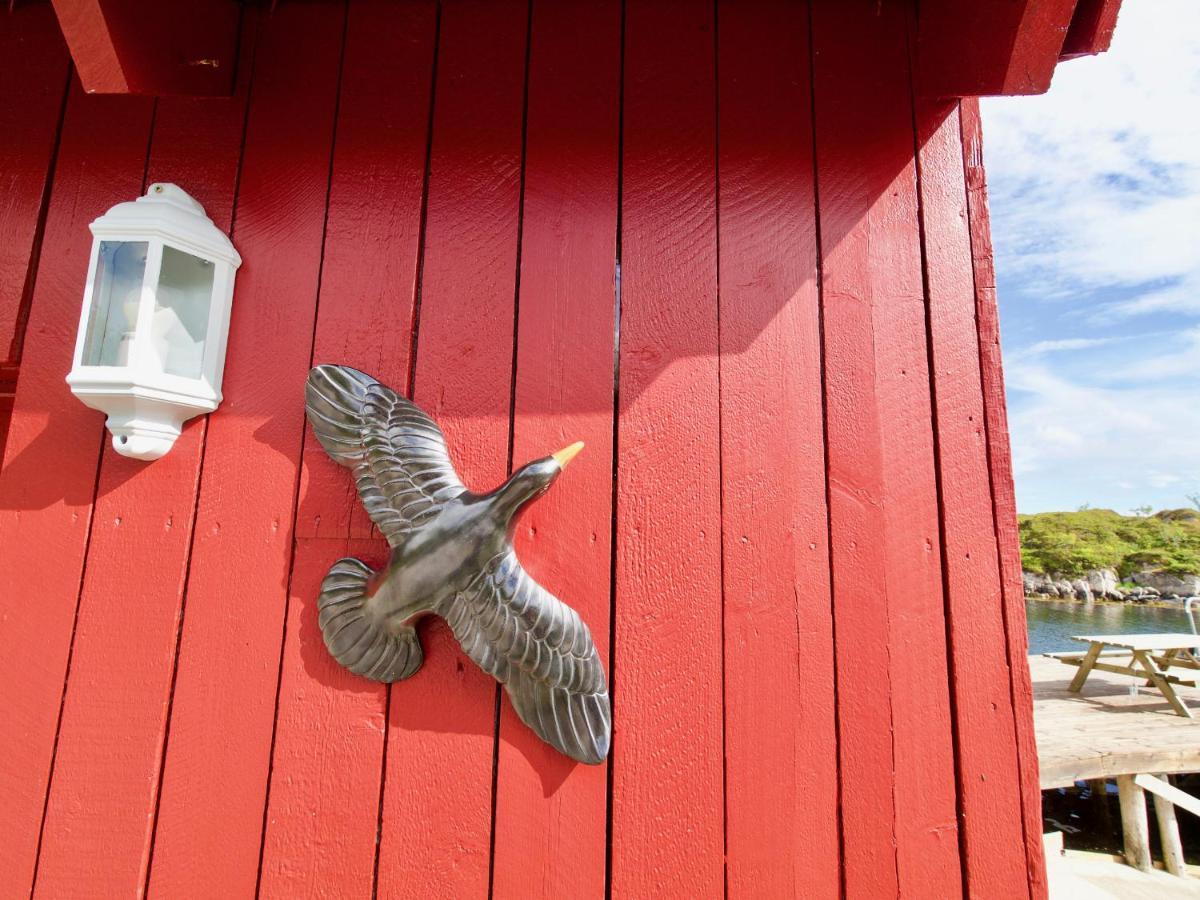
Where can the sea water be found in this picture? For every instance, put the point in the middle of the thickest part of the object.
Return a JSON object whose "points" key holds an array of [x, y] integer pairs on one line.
{"points": [[1051, 623]]}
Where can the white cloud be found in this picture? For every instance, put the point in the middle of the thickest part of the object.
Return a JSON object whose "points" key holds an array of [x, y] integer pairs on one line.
{"points": [[1067, 344], [1110, 446], [1177, 358], [1097, 183], [1095, 192], [1183, 297]]}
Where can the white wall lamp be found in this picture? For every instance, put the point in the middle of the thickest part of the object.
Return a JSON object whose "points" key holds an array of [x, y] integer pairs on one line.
{"points": [[151, 346]]}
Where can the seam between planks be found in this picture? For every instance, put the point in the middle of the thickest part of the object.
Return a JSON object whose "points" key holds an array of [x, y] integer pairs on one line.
{"points": [[720, 440], [337, 99], [616, 456], [512, 405], [820, 286], [419, 280]]}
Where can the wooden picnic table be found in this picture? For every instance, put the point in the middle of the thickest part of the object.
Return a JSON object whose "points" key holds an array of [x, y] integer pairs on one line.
{"points": [[1151, 656]]}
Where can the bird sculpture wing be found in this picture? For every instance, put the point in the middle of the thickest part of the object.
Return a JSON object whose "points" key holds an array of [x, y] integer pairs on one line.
{"points": [[401, 465], [539, 648]]}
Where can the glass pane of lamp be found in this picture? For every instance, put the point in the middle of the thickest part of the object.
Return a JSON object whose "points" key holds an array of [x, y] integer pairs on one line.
{"points": [[181, 308], [120, 268]]}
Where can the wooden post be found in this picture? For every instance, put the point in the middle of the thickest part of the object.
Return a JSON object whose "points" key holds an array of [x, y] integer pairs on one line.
{"points": [[1134, 825], [1168, 834], [1099, 789], [1166, 798]]}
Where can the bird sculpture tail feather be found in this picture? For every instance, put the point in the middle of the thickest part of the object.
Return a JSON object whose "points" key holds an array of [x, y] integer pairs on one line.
{"points": [[361, 644]]}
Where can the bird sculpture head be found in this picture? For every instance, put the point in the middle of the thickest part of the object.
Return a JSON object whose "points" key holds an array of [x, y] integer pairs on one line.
{"points": [[532, 480]]}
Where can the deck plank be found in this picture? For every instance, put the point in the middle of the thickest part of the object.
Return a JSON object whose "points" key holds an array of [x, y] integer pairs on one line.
{"points": [[1103, 731]]}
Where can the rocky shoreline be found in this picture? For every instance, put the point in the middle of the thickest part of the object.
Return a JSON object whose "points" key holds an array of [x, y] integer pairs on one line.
{"points": [[1105, 584]]}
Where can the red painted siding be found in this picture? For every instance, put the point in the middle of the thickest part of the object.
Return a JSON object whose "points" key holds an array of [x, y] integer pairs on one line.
{"points": [[49, 477], [718, 244], [31, 110], [987, 751]]}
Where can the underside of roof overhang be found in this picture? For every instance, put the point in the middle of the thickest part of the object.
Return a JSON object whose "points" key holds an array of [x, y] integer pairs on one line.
{"points": [[986, 48], [962, 47]]}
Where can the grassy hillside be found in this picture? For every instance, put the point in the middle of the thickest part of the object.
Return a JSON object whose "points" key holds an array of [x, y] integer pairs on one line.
{"points": [[1071, 543]]}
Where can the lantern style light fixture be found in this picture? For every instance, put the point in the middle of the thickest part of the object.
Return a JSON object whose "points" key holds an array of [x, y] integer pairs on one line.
{"points": [[151, 346]]}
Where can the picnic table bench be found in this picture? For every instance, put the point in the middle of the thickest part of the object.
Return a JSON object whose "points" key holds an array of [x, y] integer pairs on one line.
{"points": [[1150, 656]]}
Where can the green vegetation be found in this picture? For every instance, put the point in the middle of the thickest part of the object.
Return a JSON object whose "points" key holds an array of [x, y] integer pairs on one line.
{"points": [[1071, 543]]}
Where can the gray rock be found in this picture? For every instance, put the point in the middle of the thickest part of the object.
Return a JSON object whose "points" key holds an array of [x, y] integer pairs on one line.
{"points": [[1163, 583], [1104, 583], [1036, 583]]}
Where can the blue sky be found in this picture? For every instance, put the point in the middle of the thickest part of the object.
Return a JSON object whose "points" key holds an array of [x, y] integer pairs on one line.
{"points": [[1095, 199]]}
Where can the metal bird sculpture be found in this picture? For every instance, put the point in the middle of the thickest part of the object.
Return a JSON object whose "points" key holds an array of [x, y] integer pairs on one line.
{"points": [[452, 556]]}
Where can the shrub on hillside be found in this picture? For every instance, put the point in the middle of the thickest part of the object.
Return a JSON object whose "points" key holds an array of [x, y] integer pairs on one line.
{"points": [[1072, 543]]}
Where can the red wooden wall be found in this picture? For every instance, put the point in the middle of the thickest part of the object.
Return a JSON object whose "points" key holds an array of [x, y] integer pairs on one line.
{"points": [[718, 242]]}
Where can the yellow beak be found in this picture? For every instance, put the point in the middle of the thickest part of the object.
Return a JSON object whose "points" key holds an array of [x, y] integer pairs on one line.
{"points": [[566, 454]]}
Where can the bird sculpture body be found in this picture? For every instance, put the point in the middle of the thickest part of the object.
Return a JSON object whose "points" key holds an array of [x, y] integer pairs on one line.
{"points": [[452, 556]]}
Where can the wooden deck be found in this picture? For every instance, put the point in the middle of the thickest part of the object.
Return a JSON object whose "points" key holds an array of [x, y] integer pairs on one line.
{"points": [[1103, 732]]}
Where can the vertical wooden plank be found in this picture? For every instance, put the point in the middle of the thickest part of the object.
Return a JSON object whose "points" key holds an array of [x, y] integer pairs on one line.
{"points": [[667, 815], [323, 815], [780, 728], [897, 768], [31, 102], [210, 815], [437, 805], [1004, 503], [48, 480], [993, 838], [550, 812], [100, 813]]}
